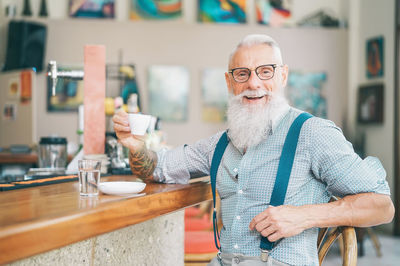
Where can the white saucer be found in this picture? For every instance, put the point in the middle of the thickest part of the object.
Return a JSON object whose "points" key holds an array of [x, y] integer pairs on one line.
{"points": [[121, 187]]}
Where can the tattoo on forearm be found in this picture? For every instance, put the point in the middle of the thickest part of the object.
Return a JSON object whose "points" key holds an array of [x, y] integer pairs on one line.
{"points": [[143, 162]]}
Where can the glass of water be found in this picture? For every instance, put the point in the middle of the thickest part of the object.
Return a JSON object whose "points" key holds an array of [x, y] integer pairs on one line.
{"points": [[89, 177]]}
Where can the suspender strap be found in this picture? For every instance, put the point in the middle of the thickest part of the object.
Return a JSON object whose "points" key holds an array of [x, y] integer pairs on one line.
{"points": [[282, 178], [216, 160], [285, 168]]}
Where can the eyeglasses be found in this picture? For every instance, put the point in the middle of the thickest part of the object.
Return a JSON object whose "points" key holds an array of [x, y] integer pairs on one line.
{"points": [[263, 72]]}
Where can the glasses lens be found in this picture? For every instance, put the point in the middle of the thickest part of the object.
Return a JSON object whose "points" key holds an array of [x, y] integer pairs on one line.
{"points": [[265, 72], [241, 74]]}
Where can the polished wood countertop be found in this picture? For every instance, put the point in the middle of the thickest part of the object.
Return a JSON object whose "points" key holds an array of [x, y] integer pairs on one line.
{"points": [[18, 158], [39, 219], [6, 157]]}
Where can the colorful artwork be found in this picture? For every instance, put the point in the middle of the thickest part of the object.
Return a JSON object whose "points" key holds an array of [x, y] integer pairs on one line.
{"points": [[92, 8], [69, 93], [14, 88], [168, 89], [370, 104], [306, 92], [273, 12], [375, 57], [222, 11], [9, 112], [155, 9], [215, 95]]}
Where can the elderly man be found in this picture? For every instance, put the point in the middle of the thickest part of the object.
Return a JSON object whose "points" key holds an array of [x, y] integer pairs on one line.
{"points": [[259, 119]]}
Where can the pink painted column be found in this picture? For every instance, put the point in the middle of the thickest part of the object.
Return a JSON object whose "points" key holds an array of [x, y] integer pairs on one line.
{"points": [[94, 82]]}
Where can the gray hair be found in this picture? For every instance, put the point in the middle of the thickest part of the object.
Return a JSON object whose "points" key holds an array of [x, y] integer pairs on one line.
{"points": [[256, 39]]}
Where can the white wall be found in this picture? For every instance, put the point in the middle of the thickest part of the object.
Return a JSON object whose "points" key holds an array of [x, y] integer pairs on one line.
{"points": [[196, 46], [368, 19]]}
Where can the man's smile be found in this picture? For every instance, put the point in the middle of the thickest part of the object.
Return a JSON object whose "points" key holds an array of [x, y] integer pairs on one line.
{"points": [[255, 98]]}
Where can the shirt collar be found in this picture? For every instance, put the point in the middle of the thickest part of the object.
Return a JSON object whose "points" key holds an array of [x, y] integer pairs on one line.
{"points": [[282, 113]]}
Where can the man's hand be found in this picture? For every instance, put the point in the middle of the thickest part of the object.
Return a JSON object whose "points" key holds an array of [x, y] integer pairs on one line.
{"points": [[280, 222], [141, 160], [359, 210], [123, 131]]}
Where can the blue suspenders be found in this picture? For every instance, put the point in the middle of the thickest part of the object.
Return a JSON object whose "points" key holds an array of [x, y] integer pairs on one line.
{"points": [[282, 177]]}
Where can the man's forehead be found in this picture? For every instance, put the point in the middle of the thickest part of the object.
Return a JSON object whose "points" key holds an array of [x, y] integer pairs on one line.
{"points": [[256, 54]]}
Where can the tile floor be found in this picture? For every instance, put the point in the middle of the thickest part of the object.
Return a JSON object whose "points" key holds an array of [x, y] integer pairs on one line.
{"points": [[390, 247]]}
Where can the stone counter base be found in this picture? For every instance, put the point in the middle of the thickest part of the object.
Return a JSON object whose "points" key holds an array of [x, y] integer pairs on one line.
{"points": [[159, 241]]}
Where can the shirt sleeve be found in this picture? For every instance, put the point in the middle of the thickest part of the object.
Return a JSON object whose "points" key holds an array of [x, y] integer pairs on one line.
{"points": [[180, 164], [335, 163]]}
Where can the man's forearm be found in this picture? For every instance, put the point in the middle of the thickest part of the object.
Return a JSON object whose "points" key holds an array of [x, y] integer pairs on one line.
{"points": [[360, 210], [142, 162]]}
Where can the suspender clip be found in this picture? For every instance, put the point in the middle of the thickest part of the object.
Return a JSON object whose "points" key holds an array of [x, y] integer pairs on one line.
{"points": [[264, 255]]}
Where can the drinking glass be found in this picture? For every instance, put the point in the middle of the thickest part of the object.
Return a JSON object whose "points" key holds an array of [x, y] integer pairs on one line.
{"points": [[89, 177]]}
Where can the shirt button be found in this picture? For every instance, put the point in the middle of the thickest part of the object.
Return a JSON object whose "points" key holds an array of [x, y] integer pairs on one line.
{"points": [[240, 191], [236, 246], [235, 170], [238, 217]]}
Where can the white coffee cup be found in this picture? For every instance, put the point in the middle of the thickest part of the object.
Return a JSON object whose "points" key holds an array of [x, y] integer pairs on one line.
{"points": [[139, 123]]}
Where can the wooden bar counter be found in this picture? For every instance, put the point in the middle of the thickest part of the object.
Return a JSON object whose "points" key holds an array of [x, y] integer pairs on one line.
{"points": [[21, 158], [39, 219]]}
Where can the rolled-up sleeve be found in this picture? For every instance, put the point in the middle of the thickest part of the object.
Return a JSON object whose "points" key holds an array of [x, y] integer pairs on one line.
{"points": [[336, 164], [180, 164]]}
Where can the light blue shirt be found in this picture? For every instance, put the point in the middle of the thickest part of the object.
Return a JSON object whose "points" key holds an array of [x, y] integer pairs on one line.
{"points": [[325, 164]]}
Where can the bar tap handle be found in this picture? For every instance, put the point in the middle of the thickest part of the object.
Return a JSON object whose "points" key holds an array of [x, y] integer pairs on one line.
{"points": [[54, 74]]}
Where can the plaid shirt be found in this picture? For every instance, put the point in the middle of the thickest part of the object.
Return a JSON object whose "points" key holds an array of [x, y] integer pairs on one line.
{"points": [[325, 164]]}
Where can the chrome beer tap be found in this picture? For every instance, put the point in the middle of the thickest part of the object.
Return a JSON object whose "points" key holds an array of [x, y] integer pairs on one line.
{"points": [[54, 74]]}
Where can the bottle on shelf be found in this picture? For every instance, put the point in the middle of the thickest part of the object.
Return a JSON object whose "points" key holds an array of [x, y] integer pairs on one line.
{"points": [[27, 8], [43, 9], [133, 103]]}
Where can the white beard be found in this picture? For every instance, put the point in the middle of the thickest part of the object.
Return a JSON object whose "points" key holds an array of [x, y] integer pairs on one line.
{"points": [[249, 124]]}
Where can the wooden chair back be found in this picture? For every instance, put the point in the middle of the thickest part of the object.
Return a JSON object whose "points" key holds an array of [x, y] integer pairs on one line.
{"points": [[348, 243]]}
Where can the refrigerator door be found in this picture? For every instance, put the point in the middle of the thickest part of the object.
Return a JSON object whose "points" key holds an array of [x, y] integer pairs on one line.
{"points": [[17, 117]]}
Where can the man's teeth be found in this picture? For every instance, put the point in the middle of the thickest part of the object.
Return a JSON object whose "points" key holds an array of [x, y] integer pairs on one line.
{"points": [[254, 97]]}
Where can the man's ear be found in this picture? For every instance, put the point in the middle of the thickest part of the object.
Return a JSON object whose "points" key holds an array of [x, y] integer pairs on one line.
{"points": [[228, 82], [285, 75]]}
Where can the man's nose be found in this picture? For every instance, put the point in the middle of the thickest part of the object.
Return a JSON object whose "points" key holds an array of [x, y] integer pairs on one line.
{"points": [[254, 82]]}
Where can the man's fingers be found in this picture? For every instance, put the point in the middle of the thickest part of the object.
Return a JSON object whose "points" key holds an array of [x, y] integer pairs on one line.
{"points": [[121, 128], [268, 231], [274, 237], [263, 224], [121, 119], [259, 217]]}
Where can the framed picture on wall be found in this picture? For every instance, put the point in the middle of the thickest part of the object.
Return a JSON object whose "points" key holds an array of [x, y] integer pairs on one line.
{"points": [[307, 91], [212, 11], [375, 57], [273, 13], [214, 95], [69, 92], [370, 104], [91, 8], [156, 10], [168, 92]]}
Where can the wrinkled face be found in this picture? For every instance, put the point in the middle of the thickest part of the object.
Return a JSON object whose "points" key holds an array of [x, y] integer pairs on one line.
{"points": [[251, 57]]}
